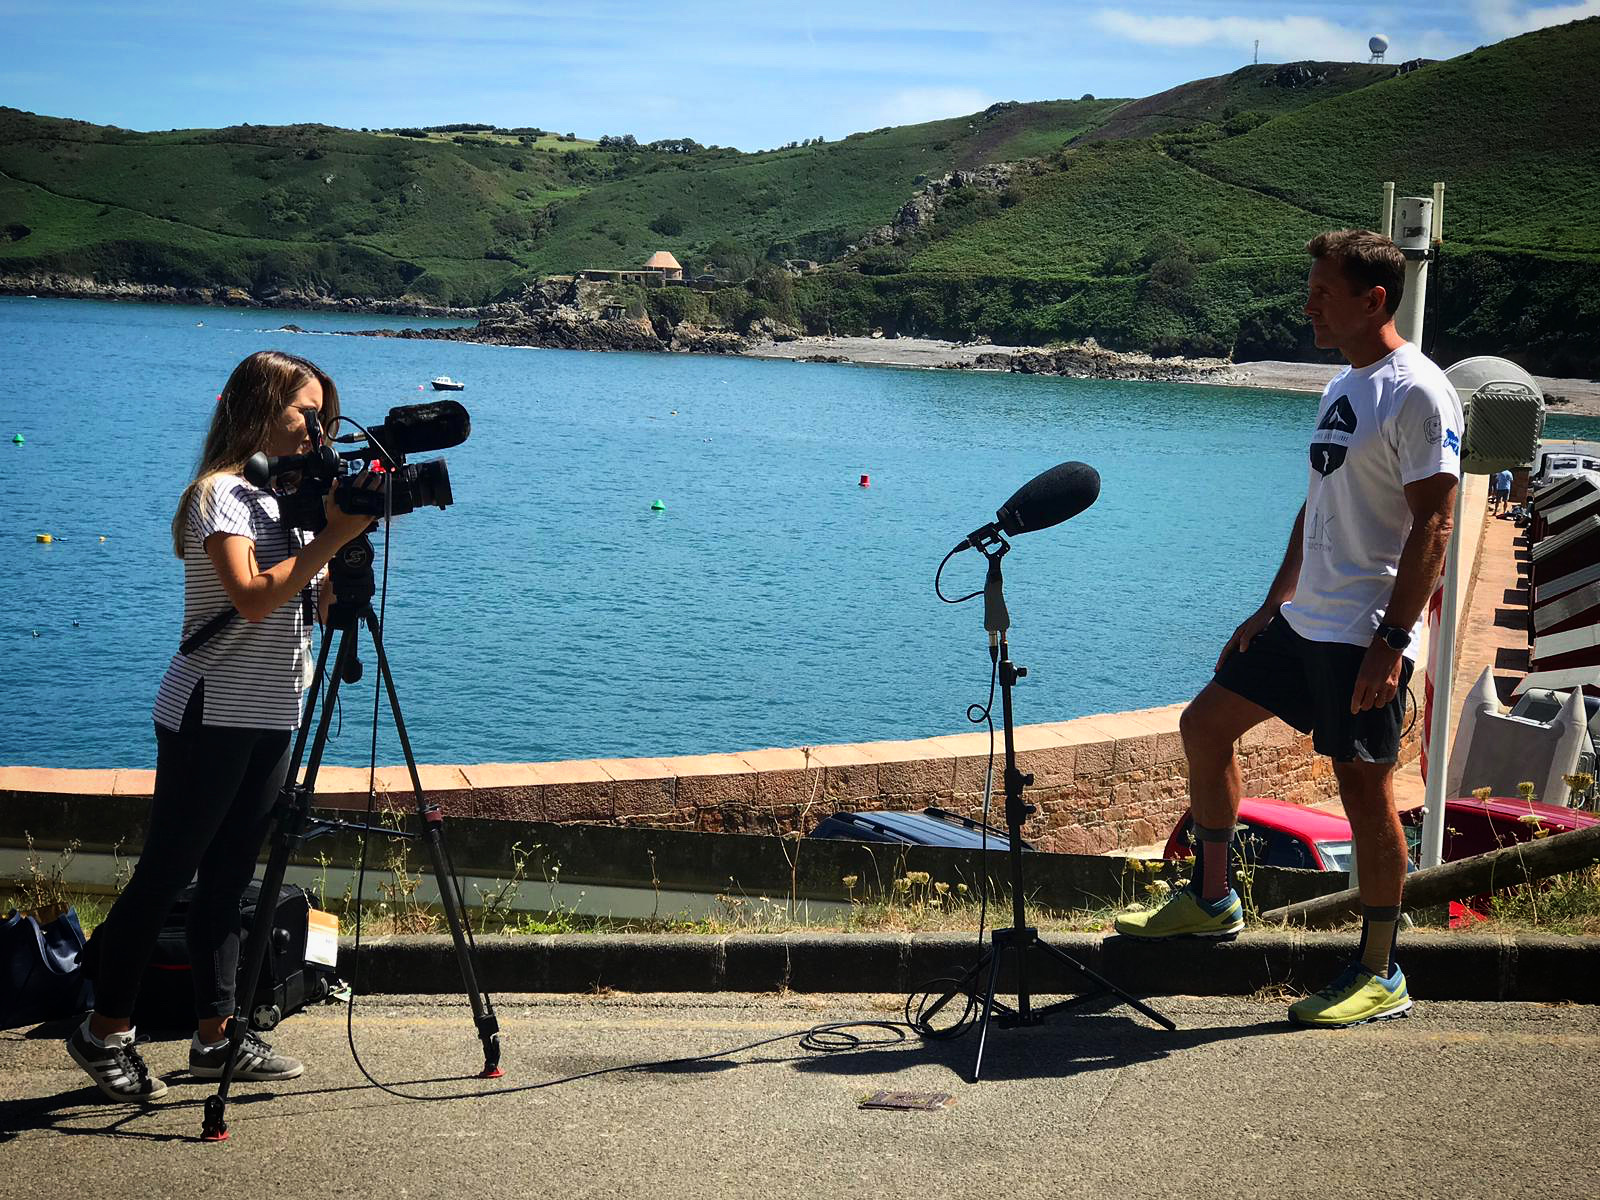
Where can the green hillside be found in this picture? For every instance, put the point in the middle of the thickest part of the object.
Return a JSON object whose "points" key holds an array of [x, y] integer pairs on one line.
{"points": [[808, 202], [461, 219], [1192, 239], [1513, 129], [1174, 222]]}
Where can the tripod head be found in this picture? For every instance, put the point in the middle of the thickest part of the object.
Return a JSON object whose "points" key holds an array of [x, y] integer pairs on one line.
{"points": [[350, 573]]}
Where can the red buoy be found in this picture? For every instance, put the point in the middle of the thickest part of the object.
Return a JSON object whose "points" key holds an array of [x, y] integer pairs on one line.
{"points": [[866, 481]]}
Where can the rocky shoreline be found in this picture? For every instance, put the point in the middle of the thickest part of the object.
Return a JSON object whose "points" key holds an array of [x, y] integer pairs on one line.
{"points": [[54, 286], [566, 315]]}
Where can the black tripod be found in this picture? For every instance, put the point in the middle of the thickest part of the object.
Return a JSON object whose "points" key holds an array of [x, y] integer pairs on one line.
{"points": [[1021, 939], [351, 571]]}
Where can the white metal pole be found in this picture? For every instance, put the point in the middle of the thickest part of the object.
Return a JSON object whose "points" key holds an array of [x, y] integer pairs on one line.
{"points": [[1443, 656], [1386, 213], [1444, 647]]}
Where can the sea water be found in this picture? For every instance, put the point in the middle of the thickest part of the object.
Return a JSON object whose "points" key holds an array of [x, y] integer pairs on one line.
{"points": [[553, 612]]}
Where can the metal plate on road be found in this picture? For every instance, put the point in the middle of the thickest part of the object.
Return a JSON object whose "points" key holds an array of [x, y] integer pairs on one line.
{"points": [[909, 1101]]}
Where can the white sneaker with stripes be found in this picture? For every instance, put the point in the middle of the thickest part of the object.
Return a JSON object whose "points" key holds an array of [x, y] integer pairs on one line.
{"points": [[116, 1067], [257, 1061]]}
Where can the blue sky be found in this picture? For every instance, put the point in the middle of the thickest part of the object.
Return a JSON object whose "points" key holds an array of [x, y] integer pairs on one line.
{"points": [[746, 73]]}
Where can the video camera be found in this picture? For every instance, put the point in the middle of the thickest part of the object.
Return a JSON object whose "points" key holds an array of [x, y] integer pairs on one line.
{"points": [[410, 429]]}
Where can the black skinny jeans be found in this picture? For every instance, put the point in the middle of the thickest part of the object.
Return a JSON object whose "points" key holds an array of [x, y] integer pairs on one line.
{"points": [[213, 800]]}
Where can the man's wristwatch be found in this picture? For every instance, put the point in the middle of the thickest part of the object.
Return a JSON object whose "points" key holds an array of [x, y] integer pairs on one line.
{"points": [[1394, 637]]}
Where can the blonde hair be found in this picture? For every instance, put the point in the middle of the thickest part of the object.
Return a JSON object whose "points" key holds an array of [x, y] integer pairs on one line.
{"points": [[252, 400]]}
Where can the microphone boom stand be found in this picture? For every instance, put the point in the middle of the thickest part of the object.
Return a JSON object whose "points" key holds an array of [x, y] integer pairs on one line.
{"points": [[1021, 940], [351, 571]]}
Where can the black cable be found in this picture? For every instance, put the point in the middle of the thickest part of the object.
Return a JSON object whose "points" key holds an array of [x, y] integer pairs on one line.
{"points": [[1412, 696], [940, 570]]}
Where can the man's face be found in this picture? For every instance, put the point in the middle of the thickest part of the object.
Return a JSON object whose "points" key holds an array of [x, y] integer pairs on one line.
{"points": [[1341, 312]]}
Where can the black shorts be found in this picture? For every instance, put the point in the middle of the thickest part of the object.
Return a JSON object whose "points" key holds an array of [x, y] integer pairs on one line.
{"points": [[1309, 684]]}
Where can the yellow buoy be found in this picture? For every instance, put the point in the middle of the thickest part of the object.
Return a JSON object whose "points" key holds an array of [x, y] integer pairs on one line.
{"points": [[43, 537]]}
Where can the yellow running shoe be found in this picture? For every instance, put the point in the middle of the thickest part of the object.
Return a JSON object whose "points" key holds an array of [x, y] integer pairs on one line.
{"points": [[1356, 997], [1185, 915]]}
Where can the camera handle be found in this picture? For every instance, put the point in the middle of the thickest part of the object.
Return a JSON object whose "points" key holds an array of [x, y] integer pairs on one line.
{"points": [[351, 569]]}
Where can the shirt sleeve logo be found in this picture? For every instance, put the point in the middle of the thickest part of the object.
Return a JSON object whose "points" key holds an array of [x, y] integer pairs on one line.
{"points": [[1452, 440]]}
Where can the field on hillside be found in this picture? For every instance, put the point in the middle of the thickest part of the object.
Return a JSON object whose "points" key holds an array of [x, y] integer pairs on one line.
{"points": [[1106, 204], [1513, 130]]}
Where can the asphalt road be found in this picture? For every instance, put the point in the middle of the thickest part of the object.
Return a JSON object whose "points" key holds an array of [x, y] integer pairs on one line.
{"points": [[1461, 1100]]}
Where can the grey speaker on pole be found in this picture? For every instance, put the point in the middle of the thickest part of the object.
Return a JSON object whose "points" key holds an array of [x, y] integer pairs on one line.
{"points": [[1504, 414]]}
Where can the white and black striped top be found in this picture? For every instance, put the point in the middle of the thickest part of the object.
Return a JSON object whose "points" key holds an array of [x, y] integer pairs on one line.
{"points": [[255, 673]]}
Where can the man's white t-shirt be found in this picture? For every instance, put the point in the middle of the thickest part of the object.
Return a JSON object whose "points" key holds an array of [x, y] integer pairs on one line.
{"points": [[1379, 428]]}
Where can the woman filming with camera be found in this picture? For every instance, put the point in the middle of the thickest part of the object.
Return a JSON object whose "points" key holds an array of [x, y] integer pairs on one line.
{"points": [[225, 716]]}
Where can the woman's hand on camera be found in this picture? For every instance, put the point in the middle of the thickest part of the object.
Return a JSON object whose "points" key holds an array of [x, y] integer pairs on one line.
{"points": [[343, 526]]}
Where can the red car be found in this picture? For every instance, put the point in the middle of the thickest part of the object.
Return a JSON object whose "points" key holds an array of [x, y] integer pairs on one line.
{"points": [[1276, 833], [1473, 827]]}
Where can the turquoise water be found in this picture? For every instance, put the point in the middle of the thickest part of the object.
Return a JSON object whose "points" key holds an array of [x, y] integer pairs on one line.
{"points": [[550, 613]]}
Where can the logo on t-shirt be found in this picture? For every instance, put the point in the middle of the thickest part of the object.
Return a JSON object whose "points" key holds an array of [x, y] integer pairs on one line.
{"points": [[1332, 438], [1340, 417]]}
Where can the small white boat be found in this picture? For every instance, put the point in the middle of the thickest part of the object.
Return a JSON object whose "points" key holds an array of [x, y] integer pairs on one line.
{"points": [[445, 384]]}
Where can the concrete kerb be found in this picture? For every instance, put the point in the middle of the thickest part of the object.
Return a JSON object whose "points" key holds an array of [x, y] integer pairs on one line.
{"points": [[1439, 966]]}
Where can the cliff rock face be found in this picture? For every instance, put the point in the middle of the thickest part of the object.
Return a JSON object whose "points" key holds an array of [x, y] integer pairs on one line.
{"points": [[566, 314], [695, 340], [923, 208], [560, 329]]}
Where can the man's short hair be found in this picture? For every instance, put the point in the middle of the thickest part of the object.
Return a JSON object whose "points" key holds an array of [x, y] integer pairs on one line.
{"points": [[1367, 259]]}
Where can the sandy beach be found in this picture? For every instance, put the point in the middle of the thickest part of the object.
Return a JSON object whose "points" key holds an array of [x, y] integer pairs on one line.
{"points": [[1576, 397]]}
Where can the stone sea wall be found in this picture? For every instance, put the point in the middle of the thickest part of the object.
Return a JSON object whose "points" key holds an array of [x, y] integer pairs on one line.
{"points": [[1100, 783]]}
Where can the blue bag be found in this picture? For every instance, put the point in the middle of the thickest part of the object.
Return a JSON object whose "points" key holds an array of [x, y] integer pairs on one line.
{"points": [[41, 977]]}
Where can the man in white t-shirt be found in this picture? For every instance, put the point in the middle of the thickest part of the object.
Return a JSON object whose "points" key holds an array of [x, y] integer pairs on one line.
{"points": [[1331, 649]]}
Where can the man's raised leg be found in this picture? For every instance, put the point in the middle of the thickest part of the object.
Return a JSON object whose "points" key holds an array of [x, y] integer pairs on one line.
{"points": [[1208, 907]]}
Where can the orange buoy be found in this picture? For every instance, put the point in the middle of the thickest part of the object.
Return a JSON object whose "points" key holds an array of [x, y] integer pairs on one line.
{"points": [[866, 481]]}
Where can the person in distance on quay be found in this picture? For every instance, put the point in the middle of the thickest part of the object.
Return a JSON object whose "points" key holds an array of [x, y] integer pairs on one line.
{"points": [[1331, 649], [224, 717]]}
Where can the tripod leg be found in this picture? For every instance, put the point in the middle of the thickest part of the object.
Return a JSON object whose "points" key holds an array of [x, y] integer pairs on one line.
{"points": [[451, 900], [1107, 986], [995, 955], [292, 807]]}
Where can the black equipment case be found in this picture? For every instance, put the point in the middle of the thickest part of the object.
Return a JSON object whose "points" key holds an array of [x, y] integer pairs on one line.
{"points": [[288, 982]]}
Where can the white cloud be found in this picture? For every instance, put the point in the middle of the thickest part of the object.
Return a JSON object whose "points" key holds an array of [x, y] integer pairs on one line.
{"points": [[1503, 19], [912, 106], [1282, 38]]}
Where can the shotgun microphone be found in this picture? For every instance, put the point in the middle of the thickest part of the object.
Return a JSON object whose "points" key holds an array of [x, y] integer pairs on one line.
{"points": [[1047, 499]]}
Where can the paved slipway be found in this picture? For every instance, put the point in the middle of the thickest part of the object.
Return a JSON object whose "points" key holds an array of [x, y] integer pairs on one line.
{"points": [[1462, 1100]]}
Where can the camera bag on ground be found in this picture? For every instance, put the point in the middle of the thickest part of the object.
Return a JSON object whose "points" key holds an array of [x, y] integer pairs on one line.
{"points": [[288, 981]]}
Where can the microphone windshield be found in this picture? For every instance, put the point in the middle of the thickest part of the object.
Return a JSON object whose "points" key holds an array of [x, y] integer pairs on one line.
{"points": [[1049, 498], [416, 428]]}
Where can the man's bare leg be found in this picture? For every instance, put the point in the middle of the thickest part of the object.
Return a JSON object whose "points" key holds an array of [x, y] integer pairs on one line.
{"points": [[1367, 790], [1213, 722]]}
